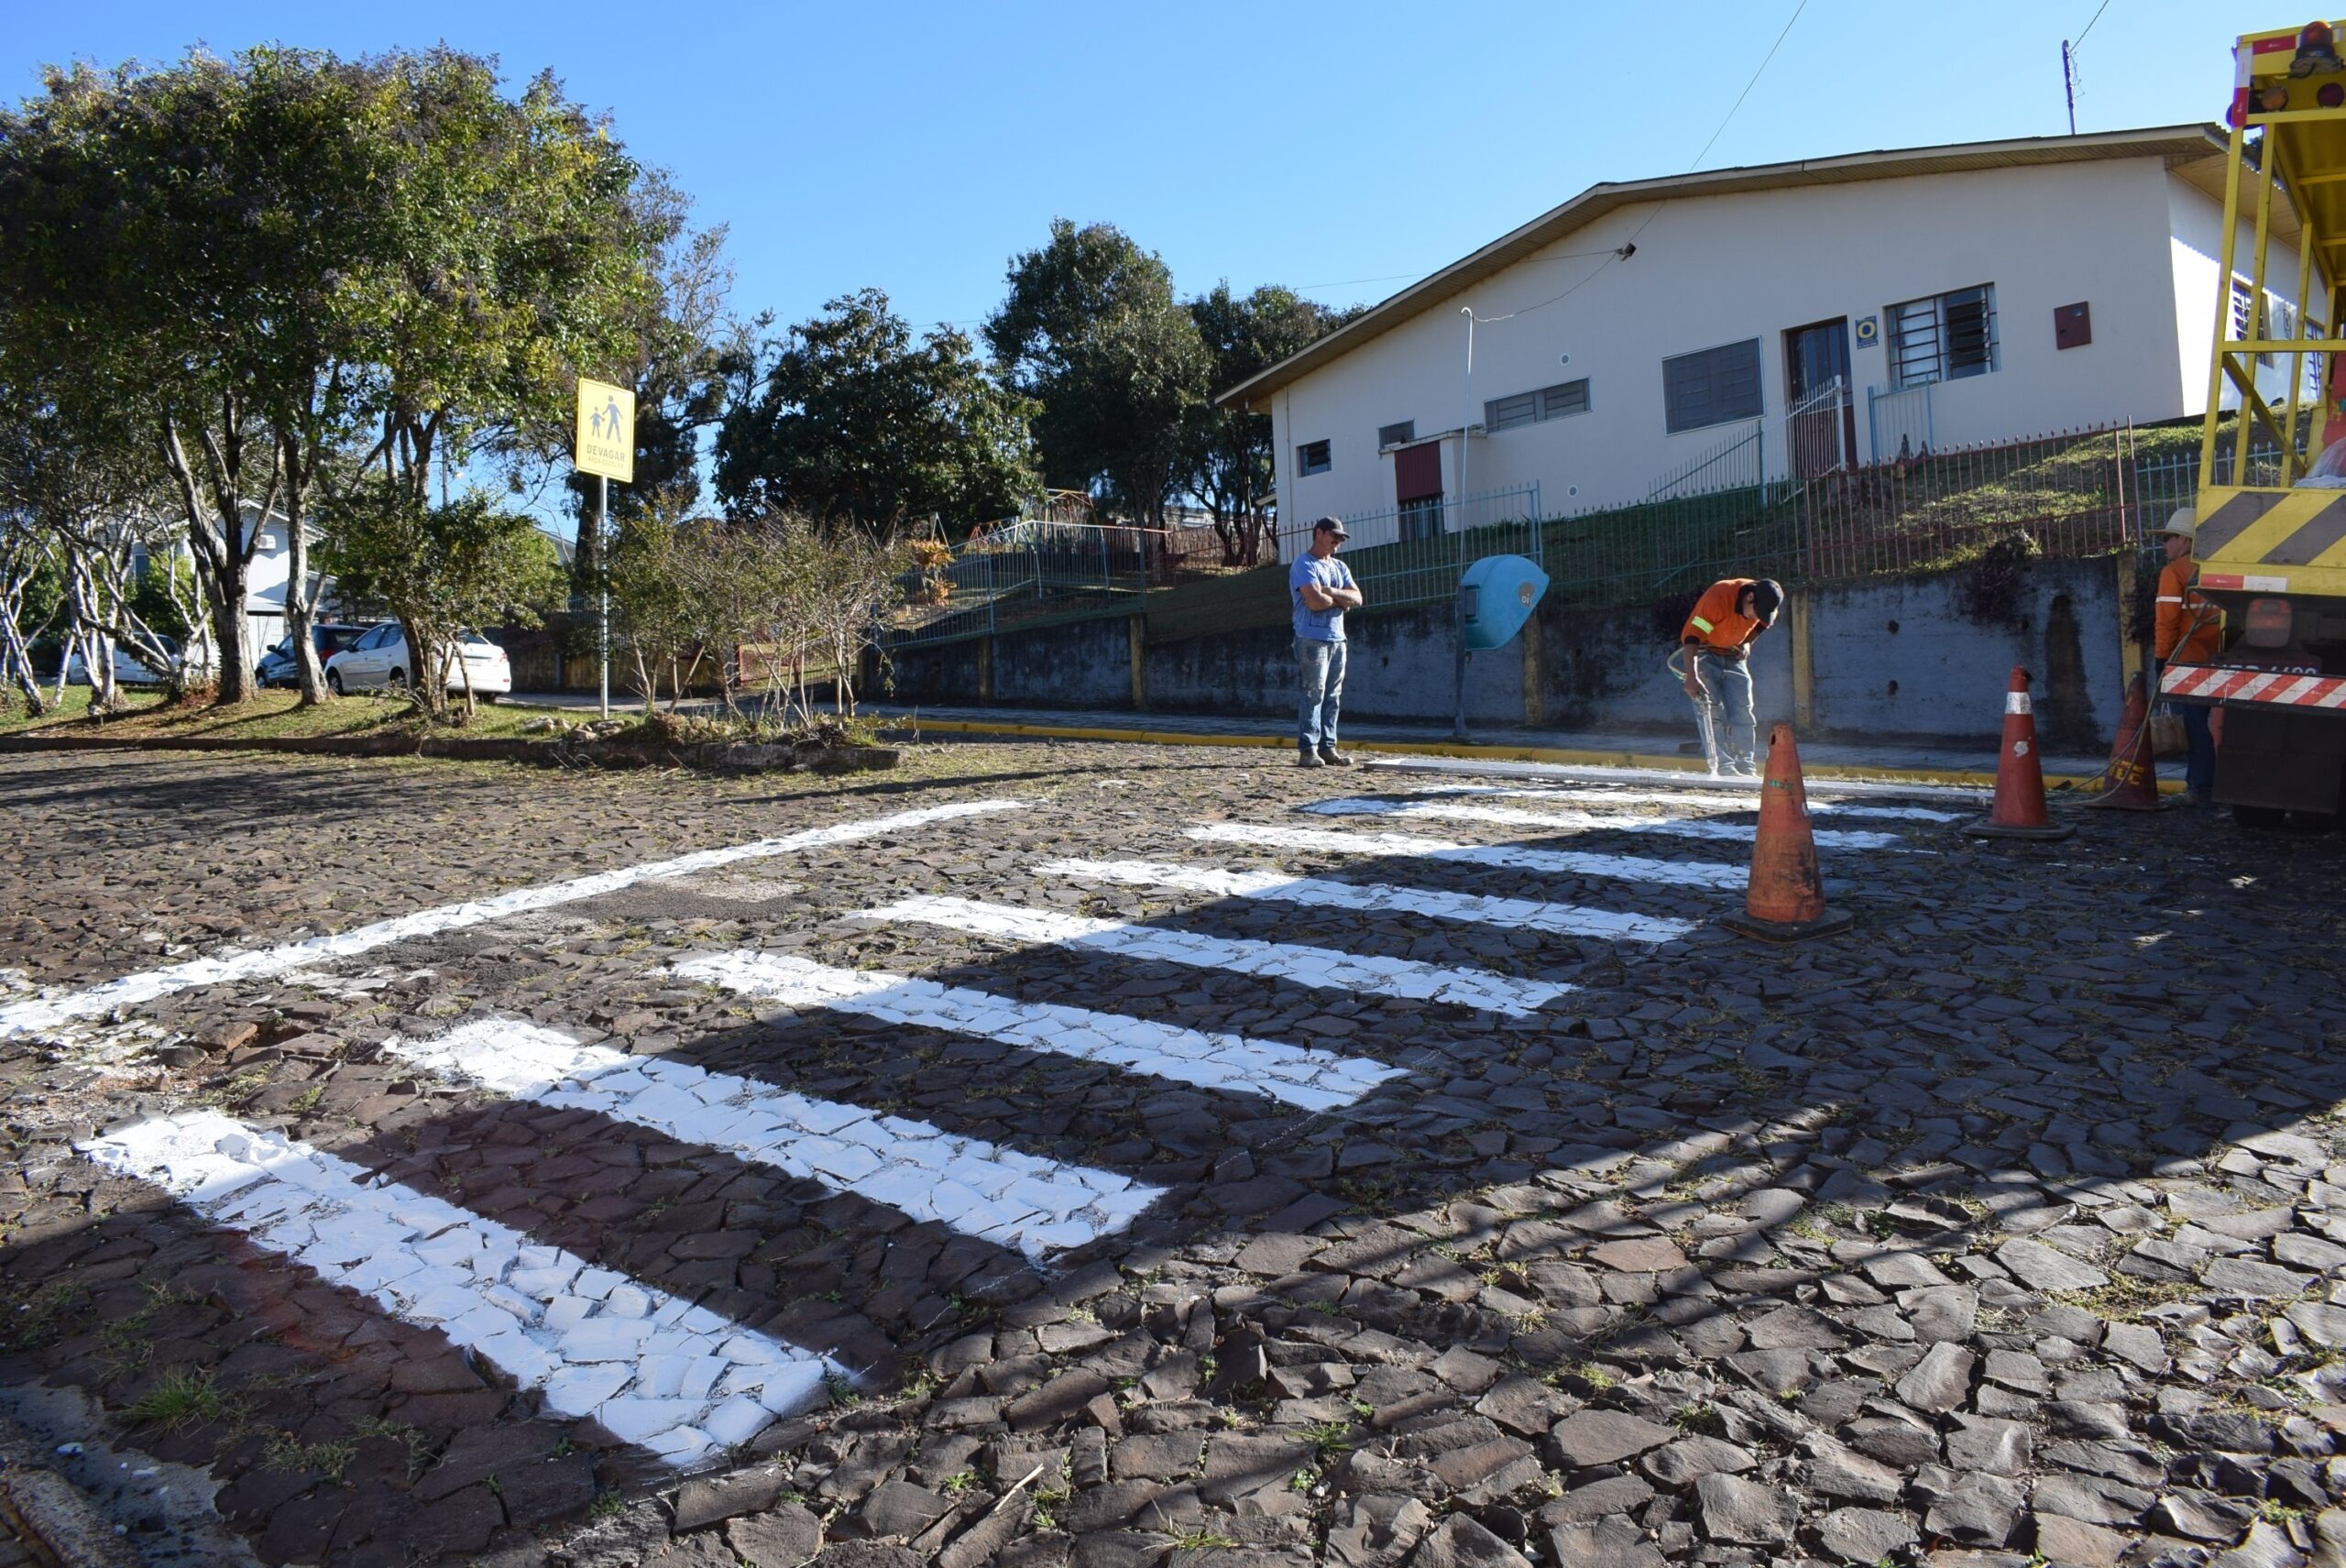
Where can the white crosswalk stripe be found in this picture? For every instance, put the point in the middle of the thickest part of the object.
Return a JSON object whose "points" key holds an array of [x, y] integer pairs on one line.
{"points": [[1316, 1080], [132, 990], [1587, 822], [1500, 857], [655, 1370], [1379, 898], [1323, 967], [1692, 800], [1014, 1200]]}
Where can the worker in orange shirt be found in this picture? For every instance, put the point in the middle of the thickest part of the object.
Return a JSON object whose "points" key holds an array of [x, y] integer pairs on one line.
{"points": [[1715, 660], [2187, 630]]}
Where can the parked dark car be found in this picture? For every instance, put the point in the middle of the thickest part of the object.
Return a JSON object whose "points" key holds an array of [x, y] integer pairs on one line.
{"points": [[278, 666]]}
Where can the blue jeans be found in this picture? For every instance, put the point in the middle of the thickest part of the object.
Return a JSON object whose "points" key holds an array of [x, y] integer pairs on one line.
{"points": [[2200, 761], [1723, 714], [1323, 667]]}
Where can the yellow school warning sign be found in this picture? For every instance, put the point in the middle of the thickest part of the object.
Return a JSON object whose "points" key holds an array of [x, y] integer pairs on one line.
{"points": [[606, 430]]}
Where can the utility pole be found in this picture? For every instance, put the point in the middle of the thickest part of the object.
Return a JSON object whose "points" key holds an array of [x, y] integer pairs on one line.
{"points": [[2069, 82]]}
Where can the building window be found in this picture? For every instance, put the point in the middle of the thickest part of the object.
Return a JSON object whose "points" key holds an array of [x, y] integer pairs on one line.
{"points": [[1311, 457], [1712, 387], [1422, 518], [1392, 435], [1942, 338], [1529, 408]]}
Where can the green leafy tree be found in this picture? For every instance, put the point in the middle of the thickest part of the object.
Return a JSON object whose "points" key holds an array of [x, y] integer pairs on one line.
{"points": [[290, 270], [440, 570], [1093, 333], [1229, 462], [849, 418]]}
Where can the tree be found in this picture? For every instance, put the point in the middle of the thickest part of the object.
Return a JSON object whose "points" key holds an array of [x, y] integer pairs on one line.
{"points": [[1229, 462], [292, 269], [1093, 333], [848, 420], [663, 570], [440, 570], [80, 504]]}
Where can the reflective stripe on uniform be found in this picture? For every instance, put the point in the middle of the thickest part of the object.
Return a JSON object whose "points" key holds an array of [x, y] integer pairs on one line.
{"points": [[1699, 624]]}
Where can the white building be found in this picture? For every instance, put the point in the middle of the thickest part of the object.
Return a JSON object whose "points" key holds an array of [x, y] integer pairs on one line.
{"points": [[1963, 294]]}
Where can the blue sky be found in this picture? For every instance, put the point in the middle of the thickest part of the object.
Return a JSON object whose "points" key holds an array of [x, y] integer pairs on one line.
{"points": [[1342, 148]]}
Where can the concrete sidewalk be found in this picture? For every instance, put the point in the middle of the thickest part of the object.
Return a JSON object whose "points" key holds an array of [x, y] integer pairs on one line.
{"points": [[1950, 765]]}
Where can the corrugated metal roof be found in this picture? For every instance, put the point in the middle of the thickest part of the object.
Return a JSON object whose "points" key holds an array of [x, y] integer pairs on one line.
{"points": [[2180, 146]]}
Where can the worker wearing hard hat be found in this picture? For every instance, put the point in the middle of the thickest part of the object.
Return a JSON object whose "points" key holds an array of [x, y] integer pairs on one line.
{"points": [[2187, 630], [1715, 660]]}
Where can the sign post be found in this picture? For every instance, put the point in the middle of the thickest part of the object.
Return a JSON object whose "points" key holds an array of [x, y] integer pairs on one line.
{"points": [[606, 448]]}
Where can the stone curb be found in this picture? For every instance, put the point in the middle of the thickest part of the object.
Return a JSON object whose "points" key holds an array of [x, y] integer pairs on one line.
{"points": [[63, 1525], [719, 756]]}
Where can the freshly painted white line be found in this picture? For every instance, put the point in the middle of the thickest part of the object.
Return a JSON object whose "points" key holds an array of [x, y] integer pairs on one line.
{"points": [[1323, 967], [655, 1369], [1378, 898], [1316, 1080], [1502, 857], [1014, 1200], [132, 990], [1693, 800], [1667, 778], [1588, 822]]}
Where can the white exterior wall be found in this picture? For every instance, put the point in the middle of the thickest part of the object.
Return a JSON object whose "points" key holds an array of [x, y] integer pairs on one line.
{"points": [[2195, 225], [1716, 270]]}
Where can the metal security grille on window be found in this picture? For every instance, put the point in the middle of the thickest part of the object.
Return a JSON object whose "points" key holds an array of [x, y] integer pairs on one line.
{"points": [[1400, 435], [1712, 387], [1944, 338], [1311, 457], [1529, 408]]}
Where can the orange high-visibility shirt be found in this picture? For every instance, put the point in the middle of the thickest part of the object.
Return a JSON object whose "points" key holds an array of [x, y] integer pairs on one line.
{"points": [[2189, 630], [1714, 623]]}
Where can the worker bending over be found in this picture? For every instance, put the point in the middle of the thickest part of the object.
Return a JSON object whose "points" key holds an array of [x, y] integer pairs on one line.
{"points": [[1715, 657]]}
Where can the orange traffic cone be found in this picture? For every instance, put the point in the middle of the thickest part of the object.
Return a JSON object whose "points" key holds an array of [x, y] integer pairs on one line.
{"points": [[2019, 811], [1786, 901], [2131, 782]]}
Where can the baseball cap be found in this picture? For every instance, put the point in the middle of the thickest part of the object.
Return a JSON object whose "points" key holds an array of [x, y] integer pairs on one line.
{"points": [[1334, 525]]}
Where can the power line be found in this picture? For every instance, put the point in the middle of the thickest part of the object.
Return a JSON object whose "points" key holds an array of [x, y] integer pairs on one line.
{"points": [[1625, 251], [2097, 17], [1748, 86]]}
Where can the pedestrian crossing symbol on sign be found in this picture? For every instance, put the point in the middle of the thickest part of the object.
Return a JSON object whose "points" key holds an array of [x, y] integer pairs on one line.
{"points": [[606, 443]]}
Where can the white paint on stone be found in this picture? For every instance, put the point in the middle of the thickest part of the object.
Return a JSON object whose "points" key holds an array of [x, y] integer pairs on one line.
{"points": [[1499, 857], [1588, 822], [135, 989], [597, 1344], [1321, 966], [1014, 1200], [1379, 898], [1316, 1080], [1691, 800]]}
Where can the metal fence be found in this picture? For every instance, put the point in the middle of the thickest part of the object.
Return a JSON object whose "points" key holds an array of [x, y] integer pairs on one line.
{"points": [[2074, 494]]}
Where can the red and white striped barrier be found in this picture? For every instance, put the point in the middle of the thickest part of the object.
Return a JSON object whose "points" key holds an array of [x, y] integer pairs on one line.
{"points": [[2208, 683]]}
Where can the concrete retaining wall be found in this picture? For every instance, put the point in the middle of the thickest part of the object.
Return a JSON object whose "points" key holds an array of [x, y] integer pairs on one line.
{"points": [[1919, 658]]}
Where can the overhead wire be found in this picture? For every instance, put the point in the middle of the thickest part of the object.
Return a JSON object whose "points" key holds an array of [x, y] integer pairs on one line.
{"points": [[1630, 247]]}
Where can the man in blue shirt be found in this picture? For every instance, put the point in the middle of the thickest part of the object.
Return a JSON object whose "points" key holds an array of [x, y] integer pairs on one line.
{"points": [[1323, 589]]}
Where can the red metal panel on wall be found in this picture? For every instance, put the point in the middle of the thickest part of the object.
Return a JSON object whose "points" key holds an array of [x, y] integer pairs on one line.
{"points": [[1417, 472]]}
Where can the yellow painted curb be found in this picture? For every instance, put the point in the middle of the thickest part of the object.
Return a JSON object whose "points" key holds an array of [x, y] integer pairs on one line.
{"points": [[1967, 778]]}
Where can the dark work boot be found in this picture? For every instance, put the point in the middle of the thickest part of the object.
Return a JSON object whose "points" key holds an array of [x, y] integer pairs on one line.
{"points": [[1307, 760], [1332, 758]]}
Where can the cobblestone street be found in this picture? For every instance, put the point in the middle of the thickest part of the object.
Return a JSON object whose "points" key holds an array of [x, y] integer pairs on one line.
{"points": [[1119, 1155]]}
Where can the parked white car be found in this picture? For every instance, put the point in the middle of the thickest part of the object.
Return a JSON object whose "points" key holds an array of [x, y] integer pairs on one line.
{"points": [[379, 660], [128, 669]]}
